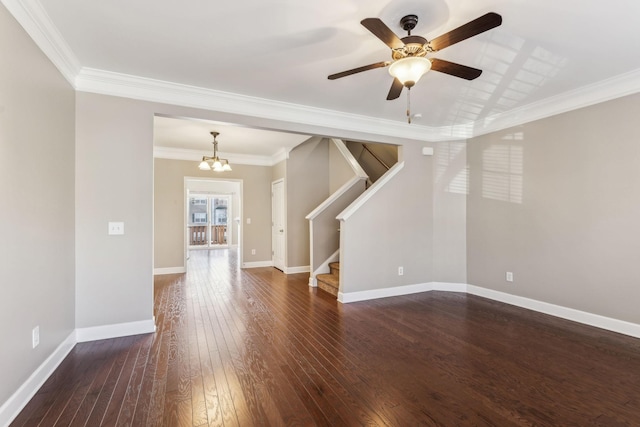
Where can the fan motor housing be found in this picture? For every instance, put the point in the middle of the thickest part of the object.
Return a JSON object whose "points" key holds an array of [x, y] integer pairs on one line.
{"points": [[413, 46]]}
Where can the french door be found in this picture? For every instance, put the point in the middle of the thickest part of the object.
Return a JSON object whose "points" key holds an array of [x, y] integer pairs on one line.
{"points": [[208, 224]]}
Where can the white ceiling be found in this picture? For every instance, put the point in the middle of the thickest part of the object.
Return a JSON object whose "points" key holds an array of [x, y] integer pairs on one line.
{"points": [[233, 141], [547, 53]]}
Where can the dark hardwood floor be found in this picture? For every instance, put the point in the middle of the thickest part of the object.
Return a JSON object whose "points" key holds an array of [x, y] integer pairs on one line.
{"points": [[257, 347]]}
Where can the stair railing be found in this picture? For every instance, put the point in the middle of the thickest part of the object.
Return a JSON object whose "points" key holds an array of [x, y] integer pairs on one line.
{"points": [[323, 225]]}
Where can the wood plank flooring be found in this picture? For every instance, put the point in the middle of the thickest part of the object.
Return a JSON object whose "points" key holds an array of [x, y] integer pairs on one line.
{"points": [[259, 348]]}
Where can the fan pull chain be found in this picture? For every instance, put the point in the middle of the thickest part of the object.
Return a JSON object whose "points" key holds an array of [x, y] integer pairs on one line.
{"points": [[409, 105]]}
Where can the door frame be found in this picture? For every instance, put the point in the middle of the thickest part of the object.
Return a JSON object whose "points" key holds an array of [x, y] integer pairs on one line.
{"points": [[284, 227], [238, 213]]}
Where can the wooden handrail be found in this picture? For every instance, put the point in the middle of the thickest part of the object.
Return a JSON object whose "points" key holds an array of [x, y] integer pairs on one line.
{"points": [[387, 167]]}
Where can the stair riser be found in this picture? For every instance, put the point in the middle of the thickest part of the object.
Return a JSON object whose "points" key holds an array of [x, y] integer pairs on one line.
{"points": [[328, 288]]}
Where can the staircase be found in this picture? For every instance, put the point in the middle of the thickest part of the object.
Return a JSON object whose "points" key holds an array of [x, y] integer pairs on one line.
{"points": [[330, 282]]}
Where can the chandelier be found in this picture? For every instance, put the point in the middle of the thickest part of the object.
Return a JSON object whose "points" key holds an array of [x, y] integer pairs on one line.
{"points": [[214, 163]]}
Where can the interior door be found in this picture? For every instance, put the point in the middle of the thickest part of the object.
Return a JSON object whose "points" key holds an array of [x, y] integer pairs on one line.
{"points": [[277, 224]]}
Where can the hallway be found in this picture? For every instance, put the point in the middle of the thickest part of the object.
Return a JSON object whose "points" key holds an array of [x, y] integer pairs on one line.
{"points": [[258, 347]]}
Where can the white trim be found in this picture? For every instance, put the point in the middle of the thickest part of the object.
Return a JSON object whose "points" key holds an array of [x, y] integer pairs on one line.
{"points": [[280, 156], [313, 283], [334, 196], [257, 264], [324, 267], [383, 293], [605, 90], [36, 22], [596, 320], [115, 331], [448, 287], [299, 269], [362, 199], [348, 156], [18, 400], [602, 322], [169, 270], [146, 89]]}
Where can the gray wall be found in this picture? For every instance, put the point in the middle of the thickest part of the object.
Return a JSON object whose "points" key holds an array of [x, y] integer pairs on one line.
{"points": [[169, 209], [114, 182], [557, 202], [307, 186], [450, 180], [37, 108], [394, 228], [340, 171]]}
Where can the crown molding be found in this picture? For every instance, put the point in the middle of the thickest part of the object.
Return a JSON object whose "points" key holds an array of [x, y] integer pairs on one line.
{"points": [[36, 22], [145, 89], [605, 90], [108, 83], [196, 156], [280, 156]]}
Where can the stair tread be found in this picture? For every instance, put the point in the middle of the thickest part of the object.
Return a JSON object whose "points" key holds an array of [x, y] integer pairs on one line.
{"points": [[334, 265]]}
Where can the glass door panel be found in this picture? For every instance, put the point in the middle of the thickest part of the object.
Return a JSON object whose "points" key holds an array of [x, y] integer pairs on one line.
{"points": [[198, 221]]}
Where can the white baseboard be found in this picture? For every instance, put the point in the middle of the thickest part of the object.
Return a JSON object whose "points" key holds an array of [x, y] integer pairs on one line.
{"points": [[169, 270], [383, 293], [602, 322], [12, 407], [300, 269], [313, 283], [257, 264], [114, 331], [449, 287]]}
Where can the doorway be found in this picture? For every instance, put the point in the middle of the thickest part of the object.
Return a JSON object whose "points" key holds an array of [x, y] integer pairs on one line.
{"points": [[278, 224], [208, 220], [211, 215]]}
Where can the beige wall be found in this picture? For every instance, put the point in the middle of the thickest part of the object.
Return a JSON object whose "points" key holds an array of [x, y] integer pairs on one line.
{"points": [[279, 171], [169, 209], [37, 107], [557, 202]]}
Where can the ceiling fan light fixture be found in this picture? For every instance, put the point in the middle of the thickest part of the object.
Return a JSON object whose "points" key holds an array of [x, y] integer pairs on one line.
{"points": [[409, 70]]}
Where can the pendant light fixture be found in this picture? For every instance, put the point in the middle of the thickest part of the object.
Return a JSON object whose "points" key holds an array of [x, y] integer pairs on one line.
{"points": [[214, 163]]}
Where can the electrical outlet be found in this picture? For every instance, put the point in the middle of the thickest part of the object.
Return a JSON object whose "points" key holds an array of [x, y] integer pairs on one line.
{"points": [[253, 251], [116, 228], [248, 220], [509, 276], [400, 271], [35, 337]]}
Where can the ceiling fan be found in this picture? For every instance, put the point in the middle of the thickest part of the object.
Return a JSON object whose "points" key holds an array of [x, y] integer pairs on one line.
{"points": [[409, 61]]}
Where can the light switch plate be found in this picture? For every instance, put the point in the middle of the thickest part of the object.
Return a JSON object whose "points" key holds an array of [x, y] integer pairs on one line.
{"points": [[116, 228]]}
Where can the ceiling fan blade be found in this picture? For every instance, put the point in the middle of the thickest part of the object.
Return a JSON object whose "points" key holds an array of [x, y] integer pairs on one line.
{"points": [[395, 91], [381, 31], [470, 29], [359, 70], [454, 69]]}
